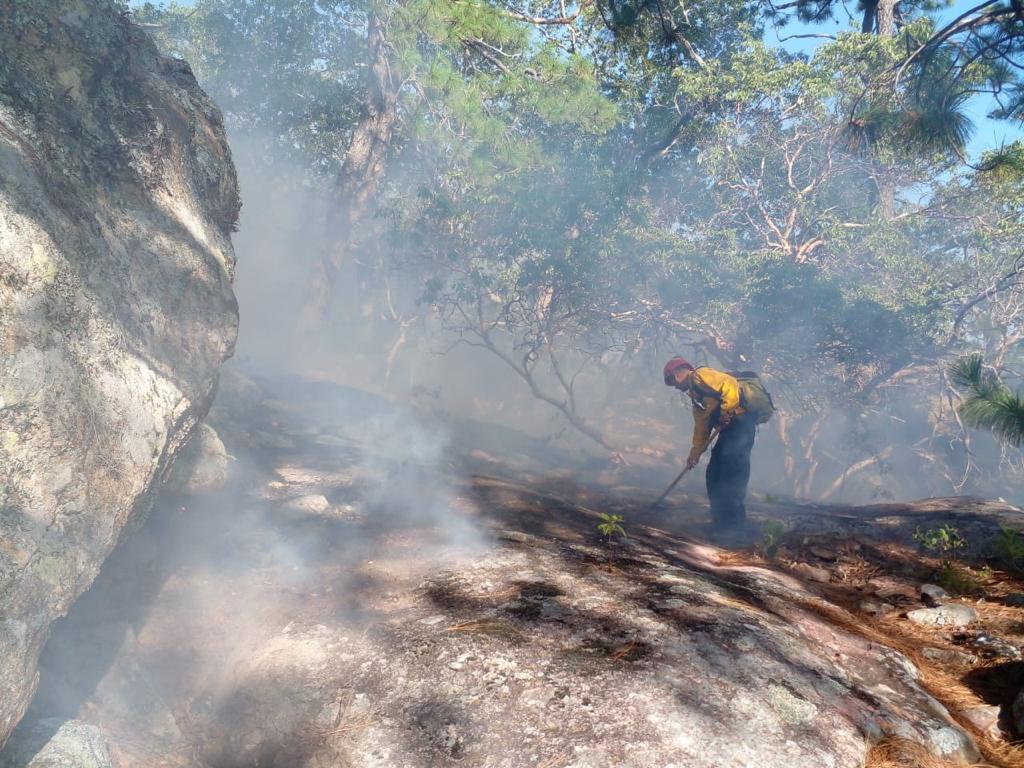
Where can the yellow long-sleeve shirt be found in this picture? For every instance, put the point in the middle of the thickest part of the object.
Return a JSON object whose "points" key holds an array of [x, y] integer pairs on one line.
{"points": [[713, 393]]}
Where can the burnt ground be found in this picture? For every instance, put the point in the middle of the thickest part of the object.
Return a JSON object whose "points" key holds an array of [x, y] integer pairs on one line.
{"points": [[378, 591]]}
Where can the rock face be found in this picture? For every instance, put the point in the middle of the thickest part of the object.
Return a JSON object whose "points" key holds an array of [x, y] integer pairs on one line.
{"points": [[54, 743], [202, 467], [117, 199]]}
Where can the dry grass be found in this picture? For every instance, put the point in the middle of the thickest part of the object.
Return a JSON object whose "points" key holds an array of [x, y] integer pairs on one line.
{"points": [[942, 682], [899, 753], [939, 683], [355, 725], [476, 625], [492, 627], [623, 651]]}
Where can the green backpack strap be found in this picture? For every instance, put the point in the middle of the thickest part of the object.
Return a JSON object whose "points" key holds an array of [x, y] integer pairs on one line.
{"points": [[701, 387]]}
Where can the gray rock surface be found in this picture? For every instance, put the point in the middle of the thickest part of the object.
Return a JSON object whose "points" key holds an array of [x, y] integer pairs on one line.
{"points": [[579, 659], [117, 199], [944, 616], [932, 594], [875, 607], [202, 466], [948, 655], [53, 743], [812, 573], [987, 645], [313, 503], [284, 639], [985, 718]]}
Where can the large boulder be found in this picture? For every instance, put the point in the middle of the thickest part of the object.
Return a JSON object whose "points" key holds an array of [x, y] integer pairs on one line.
{"points": [[53, 743], [117, 199]]}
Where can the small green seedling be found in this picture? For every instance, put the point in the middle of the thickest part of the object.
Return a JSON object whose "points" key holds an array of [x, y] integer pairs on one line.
{"points": [[771, 538], [945, 540], [609, 527]]}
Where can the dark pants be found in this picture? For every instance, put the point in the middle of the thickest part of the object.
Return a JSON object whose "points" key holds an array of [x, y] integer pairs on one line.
{"points": [[729, 472]]}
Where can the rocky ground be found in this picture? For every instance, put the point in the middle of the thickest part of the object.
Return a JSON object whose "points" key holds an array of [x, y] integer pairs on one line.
{"points": [[375, 587]]}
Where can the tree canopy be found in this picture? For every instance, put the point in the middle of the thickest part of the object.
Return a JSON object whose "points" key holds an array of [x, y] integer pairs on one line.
{"points": [[577, 188]]}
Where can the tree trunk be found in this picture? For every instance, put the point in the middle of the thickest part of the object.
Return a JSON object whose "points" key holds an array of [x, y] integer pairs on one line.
{"points": [[885, 15], [867, 24], [860, 466], [361, 171], [879, 17], [886, 202]]}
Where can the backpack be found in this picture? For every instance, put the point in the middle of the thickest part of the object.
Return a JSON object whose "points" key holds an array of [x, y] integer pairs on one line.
{"points": [[754, 398]]}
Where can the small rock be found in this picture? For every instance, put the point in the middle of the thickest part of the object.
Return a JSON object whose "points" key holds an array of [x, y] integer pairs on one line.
{"points": [[822, 554], [954, 615], [886, 588], [932, 595], [948, 655], [812, 572], [875, 607], [988, 646], [456, 665], [985, 718], [517, 536], [314, 503]]}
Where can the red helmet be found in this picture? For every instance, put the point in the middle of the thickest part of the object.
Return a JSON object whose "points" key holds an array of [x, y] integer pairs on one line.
{"points": [[672, 366]]}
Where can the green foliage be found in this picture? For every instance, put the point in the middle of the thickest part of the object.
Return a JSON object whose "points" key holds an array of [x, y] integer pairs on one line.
{"points": [[284, 71], [988, 404], [772, 532], [945, 540], [1006, 163], [647, 176], [1009, 548], [958, 580], [610, 526]]}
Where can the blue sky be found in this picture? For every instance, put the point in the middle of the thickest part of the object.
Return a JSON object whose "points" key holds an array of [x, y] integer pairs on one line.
{"points": [[988, 134]]}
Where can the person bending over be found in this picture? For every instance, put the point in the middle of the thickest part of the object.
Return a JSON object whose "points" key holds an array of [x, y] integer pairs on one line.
{"points": [[718, 401]]}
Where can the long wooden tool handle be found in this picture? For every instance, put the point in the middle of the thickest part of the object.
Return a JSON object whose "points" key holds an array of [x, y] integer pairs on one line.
{"points": [[669, 489], [714, 434]]}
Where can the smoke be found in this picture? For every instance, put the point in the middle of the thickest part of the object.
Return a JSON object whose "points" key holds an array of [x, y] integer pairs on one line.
{"points": [[406, 464]]}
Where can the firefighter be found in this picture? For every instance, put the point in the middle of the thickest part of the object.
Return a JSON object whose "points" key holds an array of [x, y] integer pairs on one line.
{"points": [[735, 404]]}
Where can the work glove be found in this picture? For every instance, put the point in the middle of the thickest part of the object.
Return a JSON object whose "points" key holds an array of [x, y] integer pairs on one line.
{"points": [[692, 462], [724, 419]]}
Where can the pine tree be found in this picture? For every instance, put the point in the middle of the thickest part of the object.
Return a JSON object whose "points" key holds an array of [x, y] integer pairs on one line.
{"points": [[988, 403]]}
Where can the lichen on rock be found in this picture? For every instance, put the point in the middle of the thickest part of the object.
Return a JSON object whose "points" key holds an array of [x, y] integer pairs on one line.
{"points": [[117, 200]]}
